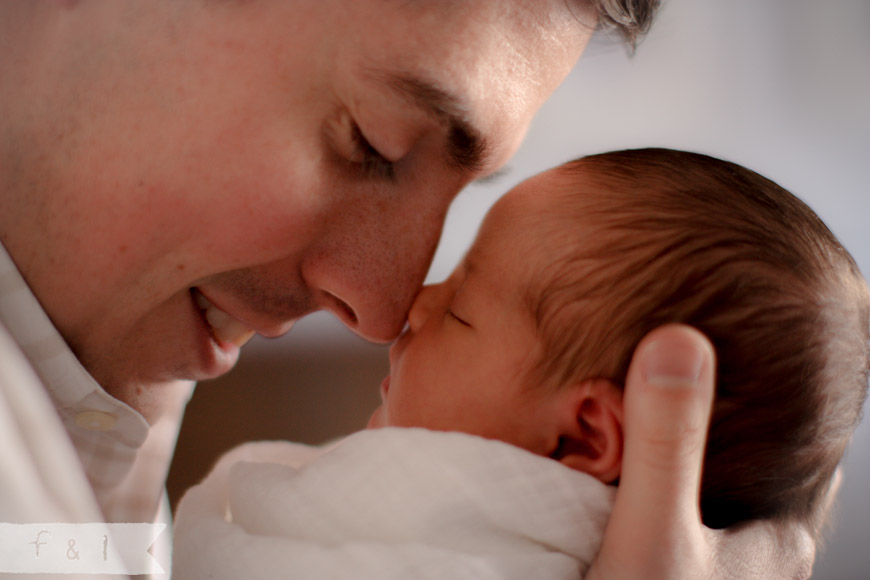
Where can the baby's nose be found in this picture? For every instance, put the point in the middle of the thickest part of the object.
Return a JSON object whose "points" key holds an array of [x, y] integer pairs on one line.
{"points": [[421, 309]]}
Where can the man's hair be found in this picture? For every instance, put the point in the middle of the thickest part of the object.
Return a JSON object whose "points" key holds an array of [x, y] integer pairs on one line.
{"points": [[630, 18], [675, 237]]}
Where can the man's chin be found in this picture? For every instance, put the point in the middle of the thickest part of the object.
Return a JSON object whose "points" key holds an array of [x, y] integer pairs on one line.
{"points": [[151, 399], [149, 389]]}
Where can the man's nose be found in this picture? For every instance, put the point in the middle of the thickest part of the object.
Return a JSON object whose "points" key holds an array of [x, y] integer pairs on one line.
{"points": [[372, 287], [373, 255]]}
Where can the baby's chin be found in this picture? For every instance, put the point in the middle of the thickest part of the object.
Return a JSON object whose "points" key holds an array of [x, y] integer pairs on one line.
{"points": [[376, 421]]}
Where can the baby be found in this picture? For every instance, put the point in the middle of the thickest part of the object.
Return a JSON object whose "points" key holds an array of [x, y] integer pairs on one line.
{"points": [[513, 368]]}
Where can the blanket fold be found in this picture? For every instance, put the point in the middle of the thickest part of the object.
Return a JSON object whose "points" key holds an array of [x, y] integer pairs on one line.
{"points": [[390, 503]]}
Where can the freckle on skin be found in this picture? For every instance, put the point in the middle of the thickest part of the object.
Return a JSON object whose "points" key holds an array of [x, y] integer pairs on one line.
{"points": [[179, 267], [122, 249]]}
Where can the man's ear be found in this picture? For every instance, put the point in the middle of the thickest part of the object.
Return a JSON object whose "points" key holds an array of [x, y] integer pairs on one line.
{"points": [[590, 438]]}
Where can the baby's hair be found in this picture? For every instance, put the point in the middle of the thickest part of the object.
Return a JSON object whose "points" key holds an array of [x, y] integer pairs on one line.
{"points": [[676, 237]]}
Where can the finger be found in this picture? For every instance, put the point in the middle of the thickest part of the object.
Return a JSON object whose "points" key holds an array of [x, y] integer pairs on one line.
{"points": [[668, 397]]}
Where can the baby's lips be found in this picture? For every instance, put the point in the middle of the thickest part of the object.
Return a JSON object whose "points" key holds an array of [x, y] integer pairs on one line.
{"points": [[385, 388]]}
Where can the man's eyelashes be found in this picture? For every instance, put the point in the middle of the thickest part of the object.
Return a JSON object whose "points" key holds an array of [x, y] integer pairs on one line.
{"points": [[371, 161]]}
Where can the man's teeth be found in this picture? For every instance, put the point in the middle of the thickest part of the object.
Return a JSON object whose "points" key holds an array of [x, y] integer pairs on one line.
{"points": [[224, 327]]}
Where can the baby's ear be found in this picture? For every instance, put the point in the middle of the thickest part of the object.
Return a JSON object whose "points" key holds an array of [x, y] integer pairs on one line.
{"points": [[591, 429]]}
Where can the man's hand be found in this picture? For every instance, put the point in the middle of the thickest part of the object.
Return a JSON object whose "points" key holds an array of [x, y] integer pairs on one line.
{"points": [[655, 530]]}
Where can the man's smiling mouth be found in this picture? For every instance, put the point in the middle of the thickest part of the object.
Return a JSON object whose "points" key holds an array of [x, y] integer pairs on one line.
{"points": [[224, 328]]}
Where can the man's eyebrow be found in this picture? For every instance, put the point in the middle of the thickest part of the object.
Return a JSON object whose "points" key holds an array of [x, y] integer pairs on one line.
{"points": [[467, 148]]}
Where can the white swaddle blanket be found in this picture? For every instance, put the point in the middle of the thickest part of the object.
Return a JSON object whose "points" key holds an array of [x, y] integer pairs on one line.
{"points": [[390, 504]]}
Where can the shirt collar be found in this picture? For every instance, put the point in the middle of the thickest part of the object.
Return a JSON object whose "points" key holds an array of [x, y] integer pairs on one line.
{"points": [[81, 402]]}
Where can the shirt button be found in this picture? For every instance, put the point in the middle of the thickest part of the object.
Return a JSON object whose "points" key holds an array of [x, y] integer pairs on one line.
{"points": [[95, 420]]}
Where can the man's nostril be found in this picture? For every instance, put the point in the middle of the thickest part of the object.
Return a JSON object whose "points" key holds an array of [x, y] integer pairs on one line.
{"points": [[348, 311]]}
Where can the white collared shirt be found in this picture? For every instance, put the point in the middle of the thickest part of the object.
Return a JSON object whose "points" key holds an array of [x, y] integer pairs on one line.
{"points": [[124, 459]]}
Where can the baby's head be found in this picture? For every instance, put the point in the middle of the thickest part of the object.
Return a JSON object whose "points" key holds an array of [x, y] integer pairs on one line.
{"points": [[530, 339]]}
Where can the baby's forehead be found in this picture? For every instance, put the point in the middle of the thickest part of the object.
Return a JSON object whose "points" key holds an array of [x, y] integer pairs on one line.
{"points": [[520, 235], [555, 216], [514, 224], [545, 206], [530, 202]]}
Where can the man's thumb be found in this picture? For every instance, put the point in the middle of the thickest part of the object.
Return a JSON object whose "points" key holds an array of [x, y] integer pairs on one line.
{"points": [[668, 398]]}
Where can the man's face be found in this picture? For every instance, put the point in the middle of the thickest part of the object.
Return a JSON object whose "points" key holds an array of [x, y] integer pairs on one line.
{"points": [[465, 361], [218, 170]]}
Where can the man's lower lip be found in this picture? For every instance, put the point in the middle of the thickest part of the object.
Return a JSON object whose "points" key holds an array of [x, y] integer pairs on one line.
{"points": [[215, 358]]}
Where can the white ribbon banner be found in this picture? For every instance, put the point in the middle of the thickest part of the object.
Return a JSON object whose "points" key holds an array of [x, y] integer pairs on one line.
{"points": [[95, 548]]}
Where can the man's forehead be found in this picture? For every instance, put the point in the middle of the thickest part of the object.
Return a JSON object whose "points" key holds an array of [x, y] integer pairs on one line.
{"points": [[484, 65]]}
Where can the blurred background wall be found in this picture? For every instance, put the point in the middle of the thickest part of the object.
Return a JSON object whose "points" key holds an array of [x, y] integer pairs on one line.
{"points": [[781, 86]]}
